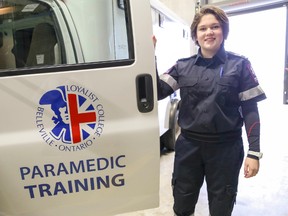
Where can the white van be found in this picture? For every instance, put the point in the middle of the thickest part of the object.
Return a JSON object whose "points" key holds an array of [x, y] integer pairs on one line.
{"points": [[79, 132], [173, 42]]}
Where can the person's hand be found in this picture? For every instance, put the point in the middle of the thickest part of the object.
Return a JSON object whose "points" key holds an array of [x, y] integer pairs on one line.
{"points": [[251, 167], [154, 40]]}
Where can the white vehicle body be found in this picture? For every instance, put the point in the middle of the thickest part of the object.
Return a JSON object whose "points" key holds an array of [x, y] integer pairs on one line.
{"points": [[173, 42], [79, 132]]}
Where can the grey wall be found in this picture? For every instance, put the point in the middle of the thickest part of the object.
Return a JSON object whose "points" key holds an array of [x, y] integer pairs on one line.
{"points": [[185, 9]]}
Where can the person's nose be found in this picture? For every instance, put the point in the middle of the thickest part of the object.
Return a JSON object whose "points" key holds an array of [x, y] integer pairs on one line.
{"points": [[210, 31]]}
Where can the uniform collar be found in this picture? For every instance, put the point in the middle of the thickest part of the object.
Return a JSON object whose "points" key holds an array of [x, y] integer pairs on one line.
{"points": [[221, 55]]}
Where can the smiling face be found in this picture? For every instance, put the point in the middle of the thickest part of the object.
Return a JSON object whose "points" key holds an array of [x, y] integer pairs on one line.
{"points": [[209, 29], [209, 35]]}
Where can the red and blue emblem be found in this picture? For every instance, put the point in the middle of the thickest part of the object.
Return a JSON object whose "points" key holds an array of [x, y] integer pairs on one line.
{"points": [[76, 117]]}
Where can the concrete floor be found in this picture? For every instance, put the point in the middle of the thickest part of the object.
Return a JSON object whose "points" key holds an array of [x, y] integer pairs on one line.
{"points": [[265, 195]]}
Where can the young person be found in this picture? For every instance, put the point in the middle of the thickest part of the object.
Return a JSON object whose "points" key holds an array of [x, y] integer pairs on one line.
{"points": [[219, 92]]}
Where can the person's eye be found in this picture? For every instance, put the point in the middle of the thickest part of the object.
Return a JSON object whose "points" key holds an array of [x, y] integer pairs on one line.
{"points": [[202, 29], [215, 27]]}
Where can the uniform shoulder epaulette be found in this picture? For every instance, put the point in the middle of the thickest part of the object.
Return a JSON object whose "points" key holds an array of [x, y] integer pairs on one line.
{"points": [[236, 55]]}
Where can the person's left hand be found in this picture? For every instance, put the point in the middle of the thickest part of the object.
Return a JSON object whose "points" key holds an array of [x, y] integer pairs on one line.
{"points": [[251, 167]]}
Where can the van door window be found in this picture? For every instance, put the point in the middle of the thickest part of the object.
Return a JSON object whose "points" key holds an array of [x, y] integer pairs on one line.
{"points": [[28, 35], [47, 33]]}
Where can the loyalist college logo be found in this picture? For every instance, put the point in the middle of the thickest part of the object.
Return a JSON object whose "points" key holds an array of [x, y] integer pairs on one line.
{"points": [[70, 118]]}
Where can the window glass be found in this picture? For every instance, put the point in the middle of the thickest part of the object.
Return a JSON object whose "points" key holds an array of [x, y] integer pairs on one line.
{"points": [[47, 33]]}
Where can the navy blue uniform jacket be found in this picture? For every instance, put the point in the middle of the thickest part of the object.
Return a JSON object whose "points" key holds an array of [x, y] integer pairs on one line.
{"points": [[212, 91]]}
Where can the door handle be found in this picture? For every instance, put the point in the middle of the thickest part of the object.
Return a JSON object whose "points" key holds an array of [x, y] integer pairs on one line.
{"points": [[145, 98]]}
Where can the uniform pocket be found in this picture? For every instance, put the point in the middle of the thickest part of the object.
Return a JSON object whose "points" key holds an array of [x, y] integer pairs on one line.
{"points": [[187, 82], [188, 88], [228, 84], [228, 93]]}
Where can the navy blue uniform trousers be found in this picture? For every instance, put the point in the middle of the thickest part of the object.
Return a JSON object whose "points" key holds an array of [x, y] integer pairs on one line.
{"points": [[219, 163]]}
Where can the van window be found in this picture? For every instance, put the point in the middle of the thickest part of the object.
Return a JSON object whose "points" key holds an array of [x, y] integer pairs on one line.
{"points": [[47, 33]]}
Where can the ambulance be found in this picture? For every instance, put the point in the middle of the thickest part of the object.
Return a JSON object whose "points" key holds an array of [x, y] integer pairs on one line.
{"points": [[173, 42], [79, 132]]}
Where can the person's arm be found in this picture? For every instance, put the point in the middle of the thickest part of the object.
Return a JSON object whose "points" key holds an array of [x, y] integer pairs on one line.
{"points": [[163, 88], [252, 126]]}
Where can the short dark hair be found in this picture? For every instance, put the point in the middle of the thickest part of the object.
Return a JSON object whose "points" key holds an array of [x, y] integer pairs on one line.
{"points": [[219, 14]]}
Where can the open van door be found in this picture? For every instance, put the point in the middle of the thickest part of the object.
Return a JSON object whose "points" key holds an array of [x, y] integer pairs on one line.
{"points": [[79, 130]]}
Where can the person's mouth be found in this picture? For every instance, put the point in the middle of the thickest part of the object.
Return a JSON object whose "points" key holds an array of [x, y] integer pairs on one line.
{"points": [[210, 39]]}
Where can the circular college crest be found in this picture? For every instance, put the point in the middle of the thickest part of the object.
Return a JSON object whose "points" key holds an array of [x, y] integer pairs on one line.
{"points": [[70, 117]]}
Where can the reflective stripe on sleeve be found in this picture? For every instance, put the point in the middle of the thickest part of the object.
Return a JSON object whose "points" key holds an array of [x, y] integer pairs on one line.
{"points": [[170, 81], [251, 93]]}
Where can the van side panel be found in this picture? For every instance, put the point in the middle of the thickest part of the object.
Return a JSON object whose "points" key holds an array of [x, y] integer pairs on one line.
{"points": [[73, 141]]}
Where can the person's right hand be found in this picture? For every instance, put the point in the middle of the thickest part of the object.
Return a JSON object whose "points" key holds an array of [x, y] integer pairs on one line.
{"points": [[154, 40]]}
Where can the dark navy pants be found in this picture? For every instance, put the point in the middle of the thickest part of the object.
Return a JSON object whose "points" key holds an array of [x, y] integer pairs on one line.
{"points": [[218, 163]]}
